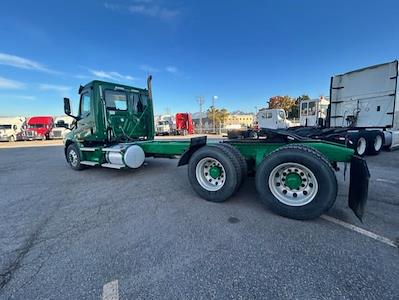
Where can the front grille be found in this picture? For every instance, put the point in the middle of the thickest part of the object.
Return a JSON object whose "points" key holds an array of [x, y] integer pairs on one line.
{"points": [[57, 133], [29, 133]]}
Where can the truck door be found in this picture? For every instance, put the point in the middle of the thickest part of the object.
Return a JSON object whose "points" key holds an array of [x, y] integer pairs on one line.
{"points": [[85, 123]]}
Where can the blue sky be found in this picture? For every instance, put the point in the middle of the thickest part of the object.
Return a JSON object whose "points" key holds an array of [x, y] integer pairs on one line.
{"points": [[242, 51]]}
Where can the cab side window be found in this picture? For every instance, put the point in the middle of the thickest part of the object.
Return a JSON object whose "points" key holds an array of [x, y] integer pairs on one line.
{"points": [[85, 104]]}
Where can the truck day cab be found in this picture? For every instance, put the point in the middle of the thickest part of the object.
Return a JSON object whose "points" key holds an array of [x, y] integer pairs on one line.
{"points": [[10, 128], [294, 177]]}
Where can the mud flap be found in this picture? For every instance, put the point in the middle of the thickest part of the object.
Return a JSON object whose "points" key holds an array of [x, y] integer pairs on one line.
{"points": [[195, 144], [358, 186]]}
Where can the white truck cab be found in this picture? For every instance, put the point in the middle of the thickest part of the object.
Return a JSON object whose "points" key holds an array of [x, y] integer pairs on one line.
{"points": [[62, 125], [273, 119], [10, 127], [312, 110]]}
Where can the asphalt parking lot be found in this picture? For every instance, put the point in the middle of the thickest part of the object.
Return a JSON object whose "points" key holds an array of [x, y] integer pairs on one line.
{"points": [[145, 234]]}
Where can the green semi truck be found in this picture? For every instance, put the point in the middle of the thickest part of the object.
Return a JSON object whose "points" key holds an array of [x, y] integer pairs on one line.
{"points": [[294, 176]]}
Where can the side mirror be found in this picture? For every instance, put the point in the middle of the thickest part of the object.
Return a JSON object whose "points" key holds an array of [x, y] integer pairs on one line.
{"points": [[67, 106]]}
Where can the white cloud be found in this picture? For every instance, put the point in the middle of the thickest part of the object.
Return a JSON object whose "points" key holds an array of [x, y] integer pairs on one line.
{"points": [[112, 75], [147, 8], [172, 69], [22, 63], [54, 88], [24, 97], [149, 69], [11, 84]]}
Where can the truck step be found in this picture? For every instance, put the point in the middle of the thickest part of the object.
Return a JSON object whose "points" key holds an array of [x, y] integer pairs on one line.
{"points": [[88, 149], [112, 166], [111, 149], [89, 163]]}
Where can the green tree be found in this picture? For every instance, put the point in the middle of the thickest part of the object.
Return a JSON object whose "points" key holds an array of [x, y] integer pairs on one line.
{"points": [[284, 102], [220, 115], [294, 113]]}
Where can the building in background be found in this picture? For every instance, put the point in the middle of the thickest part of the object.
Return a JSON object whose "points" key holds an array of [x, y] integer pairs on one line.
{"points": [[243, 120]]}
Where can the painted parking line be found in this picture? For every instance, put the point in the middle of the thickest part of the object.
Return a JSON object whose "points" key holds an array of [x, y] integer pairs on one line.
{"points": [[111, 290], [385, 180], [362, 231]]}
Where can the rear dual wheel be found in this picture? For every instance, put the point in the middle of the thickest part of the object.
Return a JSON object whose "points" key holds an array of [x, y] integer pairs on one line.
{"points": [[369, 142], [297, 182], [376, 142], [215, 172]]}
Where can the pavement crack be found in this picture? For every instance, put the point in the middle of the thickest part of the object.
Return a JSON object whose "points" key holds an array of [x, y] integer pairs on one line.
{"points": [[7, 274]]}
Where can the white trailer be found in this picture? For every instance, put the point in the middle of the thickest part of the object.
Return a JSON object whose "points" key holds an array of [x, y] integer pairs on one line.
{"points": [[10, 127], [365, 101]]}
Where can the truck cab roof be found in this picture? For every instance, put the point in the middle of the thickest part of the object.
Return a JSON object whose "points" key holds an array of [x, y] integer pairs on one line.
{"points": [[109, 83]]}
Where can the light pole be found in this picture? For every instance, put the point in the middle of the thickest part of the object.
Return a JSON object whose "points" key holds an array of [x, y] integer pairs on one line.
{"points": [[214, 98], [201, 102]]}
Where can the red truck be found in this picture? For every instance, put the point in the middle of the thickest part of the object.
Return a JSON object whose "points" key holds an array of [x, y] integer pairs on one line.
{"points": [[38, 128], [184, 123]]}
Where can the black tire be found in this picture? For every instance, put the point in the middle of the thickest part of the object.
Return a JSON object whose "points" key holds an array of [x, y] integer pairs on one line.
{"points": [[71, 157], [231, 181], [230, 153], [361, 144], [375, 143], [240, 158], [311, 159]]}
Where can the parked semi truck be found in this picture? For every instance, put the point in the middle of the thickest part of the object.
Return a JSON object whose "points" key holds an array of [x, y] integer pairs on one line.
{"points": [[363, 113], [184, 124], [267, 118], [313, 112], [294, 176], [38, 128], [10, 127], [62, 125]]}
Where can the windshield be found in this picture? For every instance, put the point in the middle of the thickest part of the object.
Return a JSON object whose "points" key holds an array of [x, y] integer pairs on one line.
{"points": [[36, 126], [116, 100], [5, 126], [121, 100], [312, 108], [62, 125]]}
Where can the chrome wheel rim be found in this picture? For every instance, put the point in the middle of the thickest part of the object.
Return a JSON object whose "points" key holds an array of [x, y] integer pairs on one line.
{"points": [[210, 174], [73, 158], [377, 143], [361, 146], [293, 184]]}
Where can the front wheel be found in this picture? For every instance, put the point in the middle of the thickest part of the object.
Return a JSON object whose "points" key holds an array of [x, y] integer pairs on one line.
{"points": [[297, 182], [73, 157]]}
